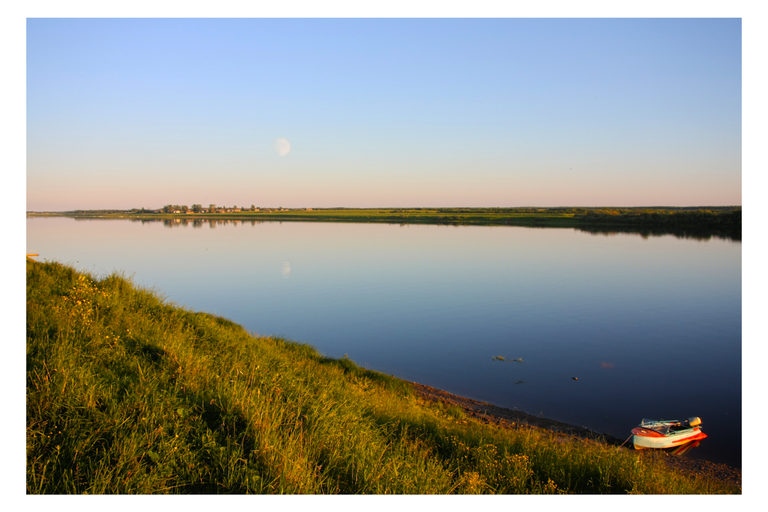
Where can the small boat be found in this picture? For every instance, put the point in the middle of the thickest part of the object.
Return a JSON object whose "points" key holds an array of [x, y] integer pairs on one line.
{"points": [[672, 435]]}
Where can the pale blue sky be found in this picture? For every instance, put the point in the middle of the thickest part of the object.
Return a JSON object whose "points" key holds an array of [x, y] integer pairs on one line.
{"points": [[128, 113]]}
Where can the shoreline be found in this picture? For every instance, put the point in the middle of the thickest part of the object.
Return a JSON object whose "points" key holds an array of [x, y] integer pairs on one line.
{"points": [[507, 418], [513, 419], [205, 394], [643, 224]]}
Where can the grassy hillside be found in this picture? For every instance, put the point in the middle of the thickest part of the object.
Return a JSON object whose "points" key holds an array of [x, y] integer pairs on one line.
{"points": [[127, 393]]}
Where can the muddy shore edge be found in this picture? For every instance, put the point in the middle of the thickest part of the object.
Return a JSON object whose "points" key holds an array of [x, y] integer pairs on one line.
{"points": [[508, 418]]}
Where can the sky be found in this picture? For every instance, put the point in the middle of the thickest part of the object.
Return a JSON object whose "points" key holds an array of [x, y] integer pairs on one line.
{"points": [[500, 112]]}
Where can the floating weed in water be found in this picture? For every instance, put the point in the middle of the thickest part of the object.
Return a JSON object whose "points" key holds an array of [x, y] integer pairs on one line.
{"points": [[502, 358]]}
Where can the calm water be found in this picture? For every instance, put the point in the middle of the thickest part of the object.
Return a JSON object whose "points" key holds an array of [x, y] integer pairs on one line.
{"points": [[651, 327]]}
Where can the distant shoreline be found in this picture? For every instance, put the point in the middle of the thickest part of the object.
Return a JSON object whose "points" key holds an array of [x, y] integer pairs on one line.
{"points": [[687, 222]]}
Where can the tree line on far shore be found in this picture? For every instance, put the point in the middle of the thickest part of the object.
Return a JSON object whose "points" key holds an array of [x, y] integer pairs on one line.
{"points": [[198, 208], [725, 218]]}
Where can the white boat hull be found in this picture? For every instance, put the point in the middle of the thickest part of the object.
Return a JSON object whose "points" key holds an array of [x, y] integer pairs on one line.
{"points": [[649, 439]]}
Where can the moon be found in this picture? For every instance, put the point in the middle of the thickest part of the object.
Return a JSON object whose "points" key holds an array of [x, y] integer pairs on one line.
{"points": [[282, 146]]}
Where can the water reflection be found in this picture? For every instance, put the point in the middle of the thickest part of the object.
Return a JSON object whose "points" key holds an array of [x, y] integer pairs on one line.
{"points": [[700, 234], [195, 223], [703, 234]]}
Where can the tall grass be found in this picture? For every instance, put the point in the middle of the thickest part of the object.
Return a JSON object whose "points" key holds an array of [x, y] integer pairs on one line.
{"points": [[127, 393]]}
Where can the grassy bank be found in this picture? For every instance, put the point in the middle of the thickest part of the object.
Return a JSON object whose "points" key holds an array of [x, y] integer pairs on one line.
{"points": [[127, 393]]}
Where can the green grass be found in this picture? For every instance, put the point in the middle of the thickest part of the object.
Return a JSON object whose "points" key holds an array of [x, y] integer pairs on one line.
{"points": [[127, 393]]}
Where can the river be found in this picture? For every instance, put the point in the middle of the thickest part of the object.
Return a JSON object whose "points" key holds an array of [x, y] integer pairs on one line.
{"points": [[596, 330]]}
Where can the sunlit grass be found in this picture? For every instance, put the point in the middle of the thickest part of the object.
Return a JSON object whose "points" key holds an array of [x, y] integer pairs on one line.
{"points": [[127, 393]]}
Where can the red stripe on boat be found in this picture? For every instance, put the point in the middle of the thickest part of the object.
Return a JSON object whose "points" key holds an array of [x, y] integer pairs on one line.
{"points": [[639, 431], [700, 435]]}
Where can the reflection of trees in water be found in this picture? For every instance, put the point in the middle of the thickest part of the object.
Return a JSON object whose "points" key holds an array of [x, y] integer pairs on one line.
{"points": [[646, 232], [195, 223], [693, 233]]}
